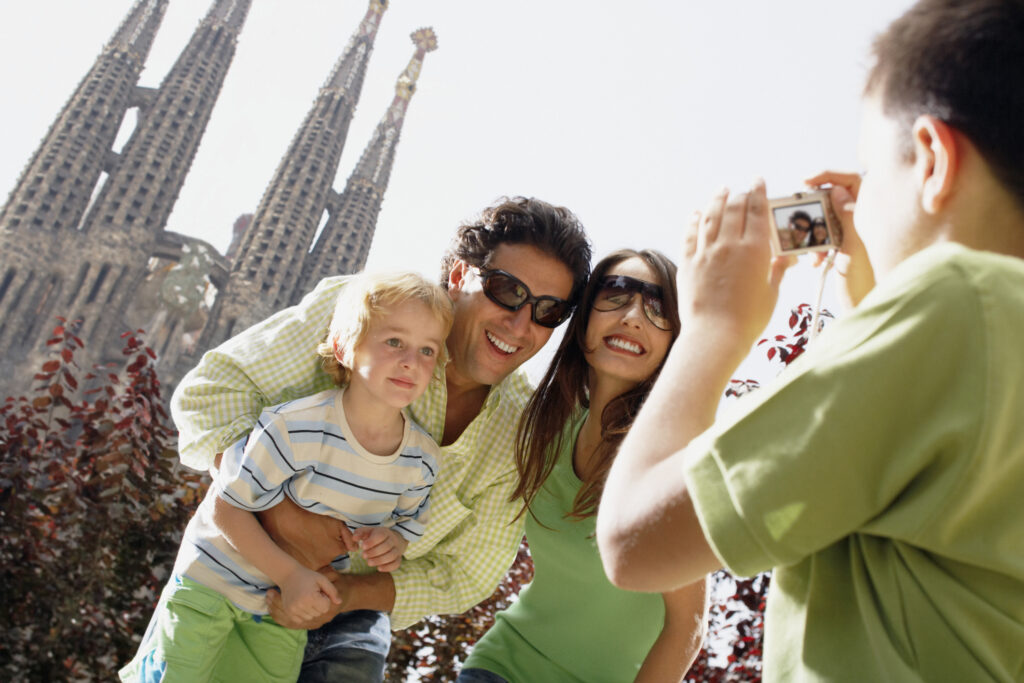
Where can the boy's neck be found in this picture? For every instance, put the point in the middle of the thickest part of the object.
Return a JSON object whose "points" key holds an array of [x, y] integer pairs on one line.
{"points": [[377, 427], [983, 214]]}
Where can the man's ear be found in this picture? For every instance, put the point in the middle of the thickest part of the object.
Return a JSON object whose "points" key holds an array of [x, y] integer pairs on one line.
{"points": [[937, 161], [457, 277]]}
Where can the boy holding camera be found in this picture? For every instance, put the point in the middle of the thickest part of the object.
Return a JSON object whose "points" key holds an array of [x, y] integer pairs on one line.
{"points": [[891, 515]]}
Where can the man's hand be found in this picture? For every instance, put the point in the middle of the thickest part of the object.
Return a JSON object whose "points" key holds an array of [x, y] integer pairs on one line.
{"points": [[314, 540], [852, 263], [382, 548], [307, 594]]}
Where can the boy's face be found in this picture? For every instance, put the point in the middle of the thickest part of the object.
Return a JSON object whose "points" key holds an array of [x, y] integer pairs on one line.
{"points": [[888, 215], [396, 358]]}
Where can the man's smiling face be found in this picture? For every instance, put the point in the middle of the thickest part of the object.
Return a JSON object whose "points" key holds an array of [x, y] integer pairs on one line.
{"points": [[487, 342]]}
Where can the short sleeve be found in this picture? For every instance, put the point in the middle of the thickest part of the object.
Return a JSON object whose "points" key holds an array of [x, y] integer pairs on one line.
{"points": [[412, 512], [254, 469], [851, 435]]}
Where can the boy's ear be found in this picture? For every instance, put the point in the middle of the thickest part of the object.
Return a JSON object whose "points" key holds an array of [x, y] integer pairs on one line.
{"points": [[339, 352], [937, 161]]}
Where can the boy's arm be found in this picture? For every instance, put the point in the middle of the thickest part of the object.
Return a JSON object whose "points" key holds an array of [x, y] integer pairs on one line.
{"points": [[301, 586], [218, 401], [728, 285], [681, 636], [463, 568]]}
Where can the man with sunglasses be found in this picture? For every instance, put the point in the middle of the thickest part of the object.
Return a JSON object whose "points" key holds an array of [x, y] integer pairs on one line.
{"points": [[513, 276]]}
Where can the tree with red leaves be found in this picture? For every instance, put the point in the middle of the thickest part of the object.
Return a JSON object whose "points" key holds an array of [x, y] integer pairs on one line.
{"points": [[92, 505]]}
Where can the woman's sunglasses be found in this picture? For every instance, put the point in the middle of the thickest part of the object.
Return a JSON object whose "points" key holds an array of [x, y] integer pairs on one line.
{"points": [[617, 291], [510, 293]]}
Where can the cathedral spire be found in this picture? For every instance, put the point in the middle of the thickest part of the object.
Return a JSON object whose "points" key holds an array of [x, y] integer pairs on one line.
{"points": [[344, 243], [274, 247], [138, 30], [37, 225], [122, 227], [347, 74], [230, 14], [141, 191], [54, 189]]}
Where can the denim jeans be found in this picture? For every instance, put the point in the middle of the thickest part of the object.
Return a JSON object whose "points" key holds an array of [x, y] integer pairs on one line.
{"points": [[479, 676], [351, 647]]}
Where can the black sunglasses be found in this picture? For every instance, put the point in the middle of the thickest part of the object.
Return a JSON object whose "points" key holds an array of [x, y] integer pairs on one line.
{"points": [[510, 293], [617, 291]]}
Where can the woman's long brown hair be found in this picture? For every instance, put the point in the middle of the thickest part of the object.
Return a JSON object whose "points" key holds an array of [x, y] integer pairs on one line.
{"points": [[564, 390]]}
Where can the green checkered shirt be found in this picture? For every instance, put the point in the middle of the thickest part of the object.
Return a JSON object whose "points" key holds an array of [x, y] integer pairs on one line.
{"points": [[470, 541]]}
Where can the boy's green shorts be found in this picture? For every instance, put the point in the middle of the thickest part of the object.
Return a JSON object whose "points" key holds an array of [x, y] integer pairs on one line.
{"points": [[196, 634]]}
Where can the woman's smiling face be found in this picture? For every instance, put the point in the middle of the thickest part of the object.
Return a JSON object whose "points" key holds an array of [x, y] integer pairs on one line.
{"points": [[623, 345]]}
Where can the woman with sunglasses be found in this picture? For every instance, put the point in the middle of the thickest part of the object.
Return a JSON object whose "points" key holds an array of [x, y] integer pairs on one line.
{"points": [[570, 623]]}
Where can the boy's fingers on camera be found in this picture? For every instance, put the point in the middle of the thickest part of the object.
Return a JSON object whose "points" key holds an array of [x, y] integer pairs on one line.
{"points": [[757, 226], [734, 216], [850, 181], [712, 219]]}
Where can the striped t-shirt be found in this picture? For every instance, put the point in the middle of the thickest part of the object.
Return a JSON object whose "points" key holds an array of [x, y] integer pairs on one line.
{"points": [[305, 450]]}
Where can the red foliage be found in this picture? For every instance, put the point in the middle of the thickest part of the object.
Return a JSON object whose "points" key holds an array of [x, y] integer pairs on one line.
{"points": [[790, 347], [92, 505], [735, 641]]}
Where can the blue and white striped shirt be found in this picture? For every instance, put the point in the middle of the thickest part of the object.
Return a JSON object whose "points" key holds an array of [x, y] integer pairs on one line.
{"points": [[305, 450]]}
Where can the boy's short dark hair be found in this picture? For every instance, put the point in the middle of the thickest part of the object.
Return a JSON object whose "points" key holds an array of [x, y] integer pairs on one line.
{"points": [[961, 61], [523, 220]]}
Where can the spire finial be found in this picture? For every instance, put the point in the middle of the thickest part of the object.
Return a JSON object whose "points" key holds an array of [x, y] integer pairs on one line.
{"points": [[425, 41]]}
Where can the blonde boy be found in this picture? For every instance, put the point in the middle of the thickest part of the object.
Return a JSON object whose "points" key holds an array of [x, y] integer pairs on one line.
{"points": [[350, 453]]}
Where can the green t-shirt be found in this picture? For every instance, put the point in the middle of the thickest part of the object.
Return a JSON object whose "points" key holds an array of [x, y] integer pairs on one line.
{"points": [[882, 476], [570, 623]]}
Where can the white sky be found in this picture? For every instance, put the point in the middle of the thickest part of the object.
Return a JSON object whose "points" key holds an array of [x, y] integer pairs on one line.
{"points": [[630, 113]]}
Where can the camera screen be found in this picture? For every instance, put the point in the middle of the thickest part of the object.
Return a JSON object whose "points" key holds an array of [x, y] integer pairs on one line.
{"points": [[801, 226]]}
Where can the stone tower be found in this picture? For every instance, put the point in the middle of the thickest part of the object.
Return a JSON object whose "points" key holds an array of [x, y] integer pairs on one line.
{"points": [[51, 196], [344, 243], [92, 273], [271, 255], [126, 222]]}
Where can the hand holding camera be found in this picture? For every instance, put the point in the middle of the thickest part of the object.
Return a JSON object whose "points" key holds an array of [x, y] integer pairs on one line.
{"points": [[727, 277], [805, 222], [852, 263]]}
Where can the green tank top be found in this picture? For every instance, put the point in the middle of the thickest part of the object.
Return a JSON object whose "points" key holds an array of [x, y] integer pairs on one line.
{"points": [[570, 623]]}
